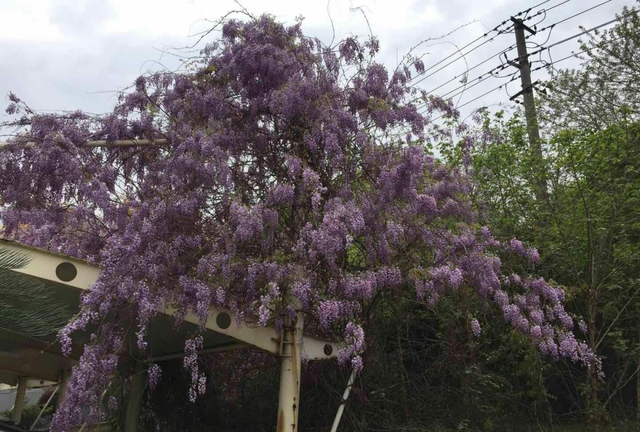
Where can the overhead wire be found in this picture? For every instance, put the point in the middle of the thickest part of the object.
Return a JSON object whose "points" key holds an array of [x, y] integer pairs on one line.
{"points": [[509, 48], [490, 73], [511, 80], [458, 58], [553, 63], [479, 97], [482, 77], [550, 26], [543, 66], [459, 51], [574, 36], [583, 12], [474, 67], [557, 5]]}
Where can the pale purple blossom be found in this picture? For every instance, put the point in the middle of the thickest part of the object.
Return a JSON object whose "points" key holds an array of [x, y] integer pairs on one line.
{"points": [[475, 327]]}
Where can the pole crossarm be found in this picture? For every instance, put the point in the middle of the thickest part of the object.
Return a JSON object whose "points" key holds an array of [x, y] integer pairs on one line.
{"points": [[62, 269], [520, 22], [524, 90]]}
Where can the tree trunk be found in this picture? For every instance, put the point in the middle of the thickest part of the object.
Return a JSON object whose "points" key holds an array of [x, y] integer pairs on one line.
{"points": [[593, 416], [638, 381]]}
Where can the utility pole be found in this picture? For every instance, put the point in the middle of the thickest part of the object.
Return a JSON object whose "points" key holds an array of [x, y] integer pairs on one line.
{"points": [[529, 102]]}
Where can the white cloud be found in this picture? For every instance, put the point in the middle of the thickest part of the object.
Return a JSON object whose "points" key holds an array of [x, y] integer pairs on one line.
{"points": [[27, 20]]}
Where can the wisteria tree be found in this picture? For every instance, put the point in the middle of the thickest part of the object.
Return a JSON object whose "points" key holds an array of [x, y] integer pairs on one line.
{"points": [[292, 176]]}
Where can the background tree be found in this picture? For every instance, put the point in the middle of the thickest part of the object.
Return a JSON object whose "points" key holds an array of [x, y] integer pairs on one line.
{"points": [[589, 245], [588, 242], [606, 90]]}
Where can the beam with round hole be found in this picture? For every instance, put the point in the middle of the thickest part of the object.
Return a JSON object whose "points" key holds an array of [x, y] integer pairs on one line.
{"points": [[79, 274]]}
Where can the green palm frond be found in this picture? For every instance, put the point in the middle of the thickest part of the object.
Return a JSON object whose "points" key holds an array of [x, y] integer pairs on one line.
{"points": [[27, 304], [10, 259]]}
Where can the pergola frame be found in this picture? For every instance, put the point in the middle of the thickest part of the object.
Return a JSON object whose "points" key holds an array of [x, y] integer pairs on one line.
{"points": [[290, 346]]}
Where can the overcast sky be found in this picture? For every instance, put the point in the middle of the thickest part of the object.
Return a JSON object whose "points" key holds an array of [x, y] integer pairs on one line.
{"points": [[73, 54]]}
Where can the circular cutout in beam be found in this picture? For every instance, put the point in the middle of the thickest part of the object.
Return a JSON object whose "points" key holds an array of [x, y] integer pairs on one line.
{"points": [[66, 271], [223, 320], [328, 349]]}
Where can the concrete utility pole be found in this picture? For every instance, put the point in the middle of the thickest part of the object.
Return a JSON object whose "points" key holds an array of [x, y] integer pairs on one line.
{"points": [[529, 102]]}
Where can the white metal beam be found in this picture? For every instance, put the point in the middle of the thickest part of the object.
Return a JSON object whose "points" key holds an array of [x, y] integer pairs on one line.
{"points": [[79, 274]]}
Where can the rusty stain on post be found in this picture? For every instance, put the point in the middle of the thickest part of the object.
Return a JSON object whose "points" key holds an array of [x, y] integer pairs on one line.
{"points": [[288, 404]]}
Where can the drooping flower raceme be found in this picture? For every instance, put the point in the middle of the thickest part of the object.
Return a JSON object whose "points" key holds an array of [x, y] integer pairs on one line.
{"points": [[282, 179]]}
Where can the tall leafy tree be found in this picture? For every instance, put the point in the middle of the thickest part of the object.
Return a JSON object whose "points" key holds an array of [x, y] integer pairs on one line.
{"points": [[587, 242], [606, 90]]}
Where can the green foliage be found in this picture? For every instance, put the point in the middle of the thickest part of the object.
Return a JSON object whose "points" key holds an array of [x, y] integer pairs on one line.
{"points": [[29, 415], [606, 90], [27, 305], [586, 229]]}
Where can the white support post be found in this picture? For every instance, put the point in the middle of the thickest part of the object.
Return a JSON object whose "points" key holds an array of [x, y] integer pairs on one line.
{"points": [[64, 384], [16, 415], [291, 358], [44, 407], [345, 396], [134, 402]]}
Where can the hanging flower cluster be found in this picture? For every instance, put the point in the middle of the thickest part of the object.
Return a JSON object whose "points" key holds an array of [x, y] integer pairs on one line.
{"points": [[292, 170]]}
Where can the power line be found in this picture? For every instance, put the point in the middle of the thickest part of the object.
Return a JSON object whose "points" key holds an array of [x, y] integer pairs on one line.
{"points": [[533, 7], [584, 32], [487, 59], [573, 55], [574, 36], [495, 29], [553, 63], [496, 69], [503, 66], [555, 6], [479, 97], [542, 11], [489, 73], [474, 67], [570, 17], [482, 77], [458, 58], [463, 88]]}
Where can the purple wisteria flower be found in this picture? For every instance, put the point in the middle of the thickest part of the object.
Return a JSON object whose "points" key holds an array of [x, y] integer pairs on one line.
{"points": [[475, 327], [283, 184]]}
